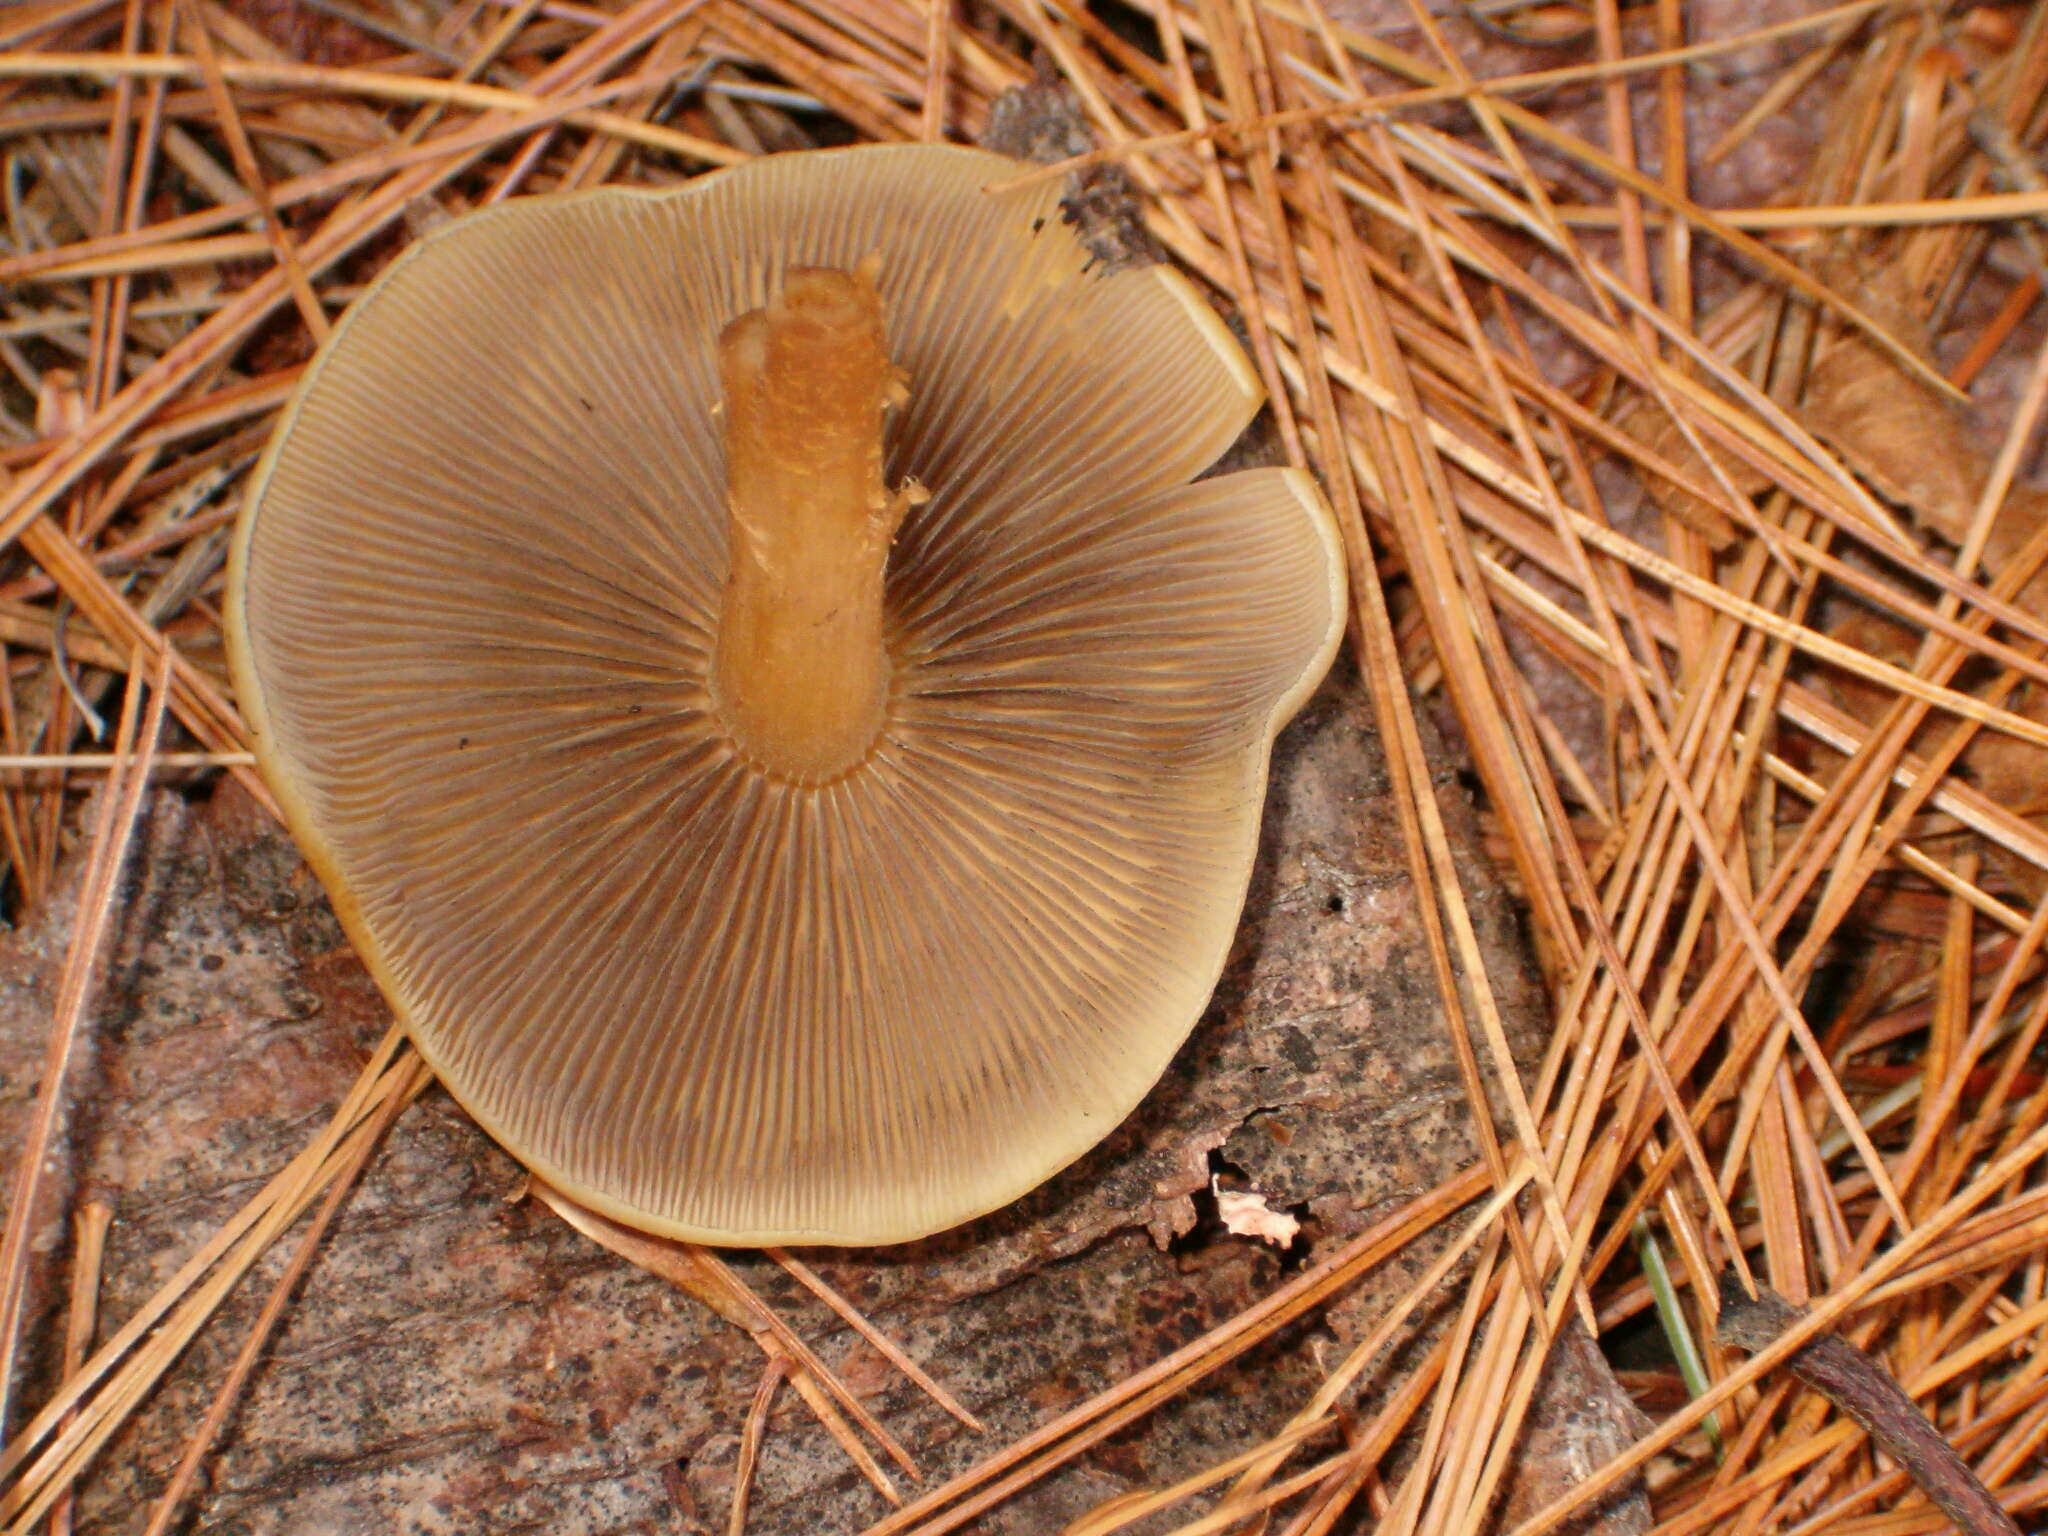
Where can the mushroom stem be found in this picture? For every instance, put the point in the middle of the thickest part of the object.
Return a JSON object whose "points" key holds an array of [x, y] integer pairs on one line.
{"points": [[801, 675]]}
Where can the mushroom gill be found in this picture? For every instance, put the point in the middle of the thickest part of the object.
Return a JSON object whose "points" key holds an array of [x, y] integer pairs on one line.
{"points": [[863, 951]]}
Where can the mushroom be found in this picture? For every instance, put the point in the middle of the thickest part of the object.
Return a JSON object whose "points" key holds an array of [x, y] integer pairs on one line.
{"points": [[768, 702]]}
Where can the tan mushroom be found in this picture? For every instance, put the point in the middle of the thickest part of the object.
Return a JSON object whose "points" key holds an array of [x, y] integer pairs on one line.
{"points": [[767, 700]]}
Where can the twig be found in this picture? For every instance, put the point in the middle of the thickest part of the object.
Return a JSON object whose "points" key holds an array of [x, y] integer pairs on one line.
{"points": [[1865, 1390]]}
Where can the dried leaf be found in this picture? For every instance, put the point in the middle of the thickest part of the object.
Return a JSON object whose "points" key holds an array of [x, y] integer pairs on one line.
{"points": [[1650, 424], [1894, 430], [2015, 773]]}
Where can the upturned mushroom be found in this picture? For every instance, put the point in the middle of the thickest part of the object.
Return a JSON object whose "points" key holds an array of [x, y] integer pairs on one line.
{"points": [[764, 687]]}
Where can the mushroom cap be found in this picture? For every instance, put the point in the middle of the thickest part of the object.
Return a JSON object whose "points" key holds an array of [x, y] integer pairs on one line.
{"points": [[472, 607]]}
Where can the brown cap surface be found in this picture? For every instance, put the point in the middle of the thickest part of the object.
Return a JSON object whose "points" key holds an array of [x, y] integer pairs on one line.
{"points": [[472, 613]]}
